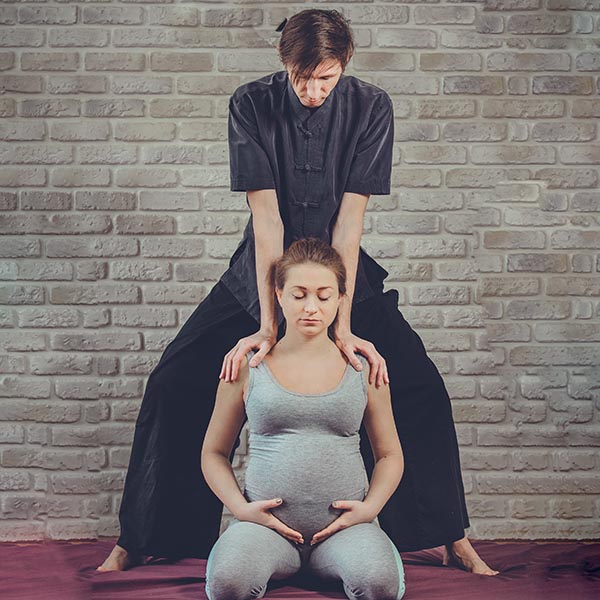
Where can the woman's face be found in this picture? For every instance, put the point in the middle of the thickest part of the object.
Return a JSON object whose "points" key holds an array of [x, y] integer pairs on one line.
{"points": [[312, 92], [310, 298]]}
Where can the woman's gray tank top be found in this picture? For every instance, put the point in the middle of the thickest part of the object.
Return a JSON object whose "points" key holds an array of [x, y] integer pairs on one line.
{"points": [[305, 448]]}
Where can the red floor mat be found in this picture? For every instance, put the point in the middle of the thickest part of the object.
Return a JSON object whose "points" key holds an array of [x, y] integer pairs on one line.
{"points": [[66, 571]]}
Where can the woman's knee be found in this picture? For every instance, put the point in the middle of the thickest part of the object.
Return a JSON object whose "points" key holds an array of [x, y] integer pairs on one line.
{"points": [[229, 578], [224, 586], [387, 585]]}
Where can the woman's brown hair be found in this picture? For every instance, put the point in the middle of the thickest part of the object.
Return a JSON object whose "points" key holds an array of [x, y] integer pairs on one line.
{"points": [[308, 250], [312, 36]]}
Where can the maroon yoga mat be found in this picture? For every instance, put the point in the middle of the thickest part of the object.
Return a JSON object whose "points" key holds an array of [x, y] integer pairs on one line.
{"points": [[528, 570]]}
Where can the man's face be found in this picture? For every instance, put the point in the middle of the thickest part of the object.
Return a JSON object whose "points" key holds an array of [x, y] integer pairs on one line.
{"points": [[313, 92]]}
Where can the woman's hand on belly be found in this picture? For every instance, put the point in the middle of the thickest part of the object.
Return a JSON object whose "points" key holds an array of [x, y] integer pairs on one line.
{"points": [[355, 511], [259, 512]]}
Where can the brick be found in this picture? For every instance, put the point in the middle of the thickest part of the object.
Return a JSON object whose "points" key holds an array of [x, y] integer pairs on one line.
{"points": [[173, 15], [444, 15], [140, 84], [539, 24], [185, 107], [43, 459], [54, 412], [439, 295], [537, 484], [48, 15], [405, 38], [555, 355], [572, 286], [171, 248], [95, 341], [152, 177], [144, 225], [567, 332], [31, 530], [133, 37], [174, 294], [42, 200], [575, 85], [82, 38], [232, 17], [112, 15], [11, 433], [50, 61], [538, 263], [140, 271], [209, 224], [181, 61], [115, 61]]}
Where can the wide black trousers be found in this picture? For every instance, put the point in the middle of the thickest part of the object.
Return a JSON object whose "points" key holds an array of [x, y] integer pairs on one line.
{"points": [[167, 508]]}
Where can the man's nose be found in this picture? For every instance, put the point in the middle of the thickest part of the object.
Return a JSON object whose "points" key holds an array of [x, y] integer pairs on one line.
{"points": [[312, 88]]}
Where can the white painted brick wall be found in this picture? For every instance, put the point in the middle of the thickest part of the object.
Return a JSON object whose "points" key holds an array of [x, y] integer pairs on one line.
{"points": [[116, 221]]}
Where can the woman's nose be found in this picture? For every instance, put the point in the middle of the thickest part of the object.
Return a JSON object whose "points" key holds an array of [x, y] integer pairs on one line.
{"points": [[310, 306]]}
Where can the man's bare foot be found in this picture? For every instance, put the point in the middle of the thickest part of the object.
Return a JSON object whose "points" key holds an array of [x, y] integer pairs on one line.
{"points": [[461, 554], [120, 560]]}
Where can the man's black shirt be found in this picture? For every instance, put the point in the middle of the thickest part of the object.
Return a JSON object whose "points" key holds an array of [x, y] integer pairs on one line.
{"points": [[310, 156]]}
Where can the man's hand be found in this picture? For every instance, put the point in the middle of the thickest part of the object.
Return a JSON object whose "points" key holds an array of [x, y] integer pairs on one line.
{"points": [[357, 511], [349, 343], [261, 340]]}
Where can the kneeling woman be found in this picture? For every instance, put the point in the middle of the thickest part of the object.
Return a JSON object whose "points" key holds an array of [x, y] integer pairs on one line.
{"points": [[305, 506]]}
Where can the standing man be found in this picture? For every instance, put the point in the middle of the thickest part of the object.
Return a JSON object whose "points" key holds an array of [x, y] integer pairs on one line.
{"points": [[308, 145]]}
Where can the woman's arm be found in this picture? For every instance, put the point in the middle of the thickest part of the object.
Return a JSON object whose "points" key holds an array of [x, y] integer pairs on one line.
{"points": [[345, 238], [224, 427], [385, 443]]}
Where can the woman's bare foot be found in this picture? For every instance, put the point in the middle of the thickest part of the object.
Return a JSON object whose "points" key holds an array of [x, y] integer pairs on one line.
{"points": [[120, 560], [461, 554]]}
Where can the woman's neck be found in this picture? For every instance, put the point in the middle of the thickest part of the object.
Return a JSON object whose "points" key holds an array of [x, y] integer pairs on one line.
{"points": [[295, 343]]}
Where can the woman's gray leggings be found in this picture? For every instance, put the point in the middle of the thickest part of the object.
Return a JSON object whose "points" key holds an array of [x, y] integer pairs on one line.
{"points": [[247, 555]]}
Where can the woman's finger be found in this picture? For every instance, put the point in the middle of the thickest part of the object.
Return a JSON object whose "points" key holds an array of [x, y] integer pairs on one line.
{"points": [[284, 530]]}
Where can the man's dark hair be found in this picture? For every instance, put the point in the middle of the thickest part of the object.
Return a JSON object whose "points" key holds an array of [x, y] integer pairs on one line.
{"points": [[312, 36]]}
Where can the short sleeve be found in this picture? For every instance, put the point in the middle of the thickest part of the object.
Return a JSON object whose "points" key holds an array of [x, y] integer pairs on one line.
{"points": [[371, 169], [248, 162]]}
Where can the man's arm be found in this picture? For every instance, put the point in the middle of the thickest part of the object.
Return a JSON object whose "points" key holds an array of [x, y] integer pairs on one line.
{"points": [[268, 235], [345, 238]]}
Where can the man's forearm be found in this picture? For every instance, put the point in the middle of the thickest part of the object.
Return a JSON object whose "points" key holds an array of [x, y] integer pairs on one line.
{"points": [[268, 241], [345, 238]]}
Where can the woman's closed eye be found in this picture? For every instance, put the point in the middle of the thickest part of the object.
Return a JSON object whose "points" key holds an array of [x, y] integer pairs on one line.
{"points": [[322, 299]]}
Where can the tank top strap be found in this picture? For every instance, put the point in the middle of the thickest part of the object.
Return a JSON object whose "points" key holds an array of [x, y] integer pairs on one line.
{"points": [[251, 374], [364, 374]]}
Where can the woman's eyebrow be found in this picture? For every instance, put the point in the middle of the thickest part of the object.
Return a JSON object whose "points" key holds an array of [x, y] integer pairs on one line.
{"points": [[325, 287]]}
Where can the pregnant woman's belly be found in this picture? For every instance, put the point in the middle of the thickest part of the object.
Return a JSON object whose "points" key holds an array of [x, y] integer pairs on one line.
{"points": [[308, 473]]}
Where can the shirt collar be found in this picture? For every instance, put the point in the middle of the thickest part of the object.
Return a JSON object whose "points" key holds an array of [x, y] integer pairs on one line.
{"points": [[310, 118]]}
